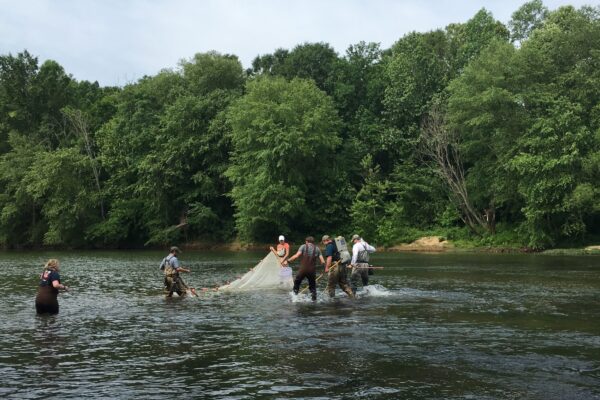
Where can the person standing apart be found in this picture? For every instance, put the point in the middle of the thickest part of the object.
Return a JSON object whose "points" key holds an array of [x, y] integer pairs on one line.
{"points": [[360, 262], [46, 301], [172, 268], [309, 252], [337, 274]]}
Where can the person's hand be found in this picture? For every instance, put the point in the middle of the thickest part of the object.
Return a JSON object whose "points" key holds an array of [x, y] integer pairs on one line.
{"points": [[65, 288]]}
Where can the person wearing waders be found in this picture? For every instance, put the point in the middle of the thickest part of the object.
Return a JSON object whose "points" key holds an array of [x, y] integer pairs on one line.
{"points": [[309, 252], [173, 281], [337, 273], [46, 301], [360, 262]]}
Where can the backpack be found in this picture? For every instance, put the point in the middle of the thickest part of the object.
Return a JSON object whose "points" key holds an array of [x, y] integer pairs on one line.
{"points": [[164, 264]]}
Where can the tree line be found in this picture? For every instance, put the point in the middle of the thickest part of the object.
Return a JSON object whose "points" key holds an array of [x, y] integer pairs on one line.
{"points": [[479, 131]]}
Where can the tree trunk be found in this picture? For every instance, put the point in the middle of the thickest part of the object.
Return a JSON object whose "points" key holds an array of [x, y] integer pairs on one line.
{"points": [[441, 150]]}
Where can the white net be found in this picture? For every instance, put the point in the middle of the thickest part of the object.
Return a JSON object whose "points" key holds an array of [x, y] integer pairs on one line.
{"points": [[267, 274]]}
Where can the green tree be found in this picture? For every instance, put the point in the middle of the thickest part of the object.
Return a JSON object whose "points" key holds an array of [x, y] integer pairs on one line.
{"points": [[284, 135], [526, 118], [526, 19]]}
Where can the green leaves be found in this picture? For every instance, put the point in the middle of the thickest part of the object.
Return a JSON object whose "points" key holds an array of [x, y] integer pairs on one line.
{"points": [[283, 135]]}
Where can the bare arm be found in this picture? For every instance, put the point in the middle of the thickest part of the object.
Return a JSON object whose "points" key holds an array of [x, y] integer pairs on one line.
{"points": [[328, 263], [292, 258], [57, 285]]}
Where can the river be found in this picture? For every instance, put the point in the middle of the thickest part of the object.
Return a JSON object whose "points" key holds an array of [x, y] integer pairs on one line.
{"points": [[432, 326]]}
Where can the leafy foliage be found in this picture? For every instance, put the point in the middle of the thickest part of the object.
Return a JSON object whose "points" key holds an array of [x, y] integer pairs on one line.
{"points": [[309, 141]]}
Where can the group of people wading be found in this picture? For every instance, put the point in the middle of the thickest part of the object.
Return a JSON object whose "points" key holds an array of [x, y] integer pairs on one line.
{"points": [[337, 261]]}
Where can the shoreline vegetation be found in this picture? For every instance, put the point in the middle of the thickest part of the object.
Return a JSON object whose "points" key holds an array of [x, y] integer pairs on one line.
{"points": [[482, 133], [426, 244]]}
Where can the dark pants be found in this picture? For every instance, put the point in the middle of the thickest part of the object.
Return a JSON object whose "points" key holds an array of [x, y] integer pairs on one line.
{"points": [[46, 301], [359, 274], [312, 285]]}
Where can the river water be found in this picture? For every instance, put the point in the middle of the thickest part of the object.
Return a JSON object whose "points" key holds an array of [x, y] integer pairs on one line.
{"points": [[432, 326]]}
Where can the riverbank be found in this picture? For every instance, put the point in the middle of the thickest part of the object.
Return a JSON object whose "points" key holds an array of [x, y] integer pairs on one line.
{"points": [[426, 244]]}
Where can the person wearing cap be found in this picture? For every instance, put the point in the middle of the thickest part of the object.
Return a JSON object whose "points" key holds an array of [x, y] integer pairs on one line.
{"points": [[283, 249], [309, 252], [171, 267], [360, 262], [337, 273]]}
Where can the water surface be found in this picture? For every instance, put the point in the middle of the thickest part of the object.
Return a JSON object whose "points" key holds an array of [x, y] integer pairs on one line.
{"points": [[431, 326]]}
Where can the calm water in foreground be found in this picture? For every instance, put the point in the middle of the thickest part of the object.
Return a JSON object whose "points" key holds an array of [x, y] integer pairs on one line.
{"points": [[432, 326]]}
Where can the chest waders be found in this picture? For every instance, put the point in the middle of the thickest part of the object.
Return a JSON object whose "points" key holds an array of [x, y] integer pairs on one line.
{"points": [[173, 282], [362, 272], [308, 266]]}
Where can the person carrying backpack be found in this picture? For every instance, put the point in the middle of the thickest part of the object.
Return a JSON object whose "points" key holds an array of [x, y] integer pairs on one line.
{"points": [[360, 262], [335, 268]]}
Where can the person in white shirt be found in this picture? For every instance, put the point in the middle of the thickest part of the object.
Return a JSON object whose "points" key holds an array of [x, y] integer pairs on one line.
{"points": [[360, 262]]}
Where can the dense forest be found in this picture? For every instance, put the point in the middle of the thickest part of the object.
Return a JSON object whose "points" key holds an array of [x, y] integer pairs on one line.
{"points": [[480, 132]]}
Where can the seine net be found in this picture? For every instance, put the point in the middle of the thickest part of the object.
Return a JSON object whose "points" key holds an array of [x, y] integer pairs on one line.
{"points": [[267, 274]]}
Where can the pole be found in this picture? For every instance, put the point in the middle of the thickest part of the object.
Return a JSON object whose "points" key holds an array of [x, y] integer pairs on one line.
{"points": [[333, 266]]}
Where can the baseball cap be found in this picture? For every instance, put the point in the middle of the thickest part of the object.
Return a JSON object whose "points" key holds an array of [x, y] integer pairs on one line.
{"points": [[355, 237], [325, 237], [175, 249], [281, 237]]}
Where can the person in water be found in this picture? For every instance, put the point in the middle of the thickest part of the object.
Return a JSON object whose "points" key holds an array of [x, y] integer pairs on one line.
{"points": [[46, 301], [172, 268], [283, 251], [309, 252], [360, 262], [336, 270]]}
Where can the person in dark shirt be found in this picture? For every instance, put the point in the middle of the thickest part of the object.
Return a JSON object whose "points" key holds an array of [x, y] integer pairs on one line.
{"points": [[337, 274], [46, 301]]}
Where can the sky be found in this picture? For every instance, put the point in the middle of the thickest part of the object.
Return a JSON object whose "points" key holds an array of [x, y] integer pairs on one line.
{"points": [[116, 42]]}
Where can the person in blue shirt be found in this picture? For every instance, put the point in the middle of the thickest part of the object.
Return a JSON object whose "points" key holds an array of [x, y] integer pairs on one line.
{"points": [[46, 301]]}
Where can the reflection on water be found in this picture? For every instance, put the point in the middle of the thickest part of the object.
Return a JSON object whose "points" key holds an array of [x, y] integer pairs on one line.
{"points": [[430, 326]]}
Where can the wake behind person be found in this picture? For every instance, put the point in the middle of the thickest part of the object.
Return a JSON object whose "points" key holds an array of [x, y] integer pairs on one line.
{"points": [[46, 301], [308, 265], [171, 267]]}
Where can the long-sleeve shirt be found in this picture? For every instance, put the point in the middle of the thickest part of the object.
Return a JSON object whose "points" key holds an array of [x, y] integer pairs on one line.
{"points": [[358, 248]]}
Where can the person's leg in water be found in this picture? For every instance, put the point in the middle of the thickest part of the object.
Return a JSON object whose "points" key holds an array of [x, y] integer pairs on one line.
{"points": [[364, 274], [298, 281], [343, 281], [332, 280], [354, 278], [312, 285]]}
